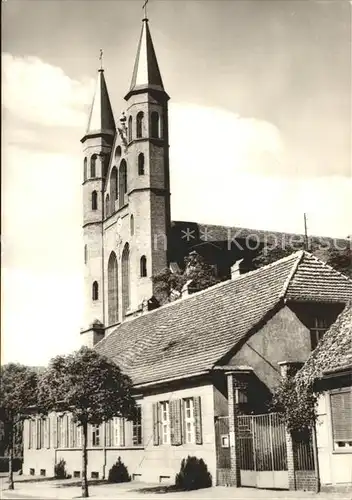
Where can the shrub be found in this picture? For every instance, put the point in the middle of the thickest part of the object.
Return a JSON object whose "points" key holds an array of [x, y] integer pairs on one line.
{"points": [[193, 474], [119, 473], [60, 471]]}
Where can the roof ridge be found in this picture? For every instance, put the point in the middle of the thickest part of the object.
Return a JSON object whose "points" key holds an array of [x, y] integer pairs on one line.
{"points": [[325, 264], [300, 255]]}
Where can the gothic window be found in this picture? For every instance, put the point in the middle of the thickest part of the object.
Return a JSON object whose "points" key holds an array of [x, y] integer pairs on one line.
{"points": [[132, 225], [95, 291], [140, 120], [85, 169], [155, 125], [130, 129], [141, 164], [113, 188], [85, 254], [122, 182], [118, 153], [107, 206], [113, 306], [93, 162], [143, 266], [125, 279], [94, 200]]}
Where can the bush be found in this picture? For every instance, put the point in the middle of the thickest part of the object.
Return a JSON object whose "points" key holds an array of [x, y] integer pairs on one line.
{"points": [[60, 471], [119, 473], [16, 464], [193, 474]]}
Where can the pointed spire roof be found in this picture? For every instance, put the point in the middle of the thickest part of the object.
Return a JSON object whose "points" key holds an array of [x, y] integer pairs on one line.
{"points": [[146, 73], [101, 118]]}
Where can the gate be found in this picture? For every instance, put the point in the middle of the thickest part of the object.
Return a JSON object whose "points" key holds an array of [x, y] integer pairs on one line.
{"points": [[223, 460], [262, 451]]}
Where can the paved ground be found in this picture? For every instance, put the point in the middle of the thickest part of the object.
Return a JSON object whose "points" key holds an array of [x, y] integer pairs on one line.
{"points": [[26, 488]]}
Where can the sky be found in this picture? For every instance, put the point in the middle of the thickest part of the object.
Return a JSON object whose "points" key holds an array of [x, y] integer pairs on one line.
{"points": [[260, 132]]}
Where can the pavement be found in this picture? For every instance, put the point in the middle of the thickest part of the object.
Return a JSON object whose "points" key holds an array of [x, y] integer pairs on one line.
{"points": [[47, 489]]}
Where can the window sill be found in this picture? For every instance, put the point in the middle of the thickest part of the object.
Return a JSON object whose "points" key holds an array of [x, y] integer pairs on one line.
{"points": [[342, 451]]}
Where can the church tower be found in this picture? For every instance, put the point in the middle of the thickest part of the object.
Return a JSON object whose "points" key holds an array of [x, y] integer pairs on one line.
{"points": [[126, 234]]}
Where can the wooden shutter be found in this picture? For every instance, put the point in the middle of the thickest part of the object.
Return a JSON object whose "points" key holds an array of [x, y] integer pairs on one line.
{"points": [[45, 425], [341, 415], [71, 432], [197, 420], [122, 431], [55, 431], [156, 424], [175, 422], [28, 423], [108, 427]]}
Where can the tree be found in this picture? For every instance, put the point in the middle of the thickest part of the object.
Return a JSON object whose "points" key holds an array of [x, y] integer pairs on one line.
{"points": [[91, 388], [18, 392], [168, 285]]}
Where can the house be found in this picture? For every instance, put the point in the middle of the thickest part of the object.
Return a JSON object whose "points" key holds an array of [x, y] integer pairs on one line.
{"points": [[330, 368], [203, 369]]}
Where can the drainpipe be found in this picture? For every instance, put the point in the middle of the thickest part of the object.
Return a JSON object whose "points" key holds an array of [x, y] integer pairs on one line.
{"points": [[316, 461]]}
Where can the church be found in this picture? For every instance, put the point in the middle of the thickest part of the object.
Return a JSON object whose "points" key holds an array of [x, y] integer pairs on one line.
{"points": [[204, 359]]}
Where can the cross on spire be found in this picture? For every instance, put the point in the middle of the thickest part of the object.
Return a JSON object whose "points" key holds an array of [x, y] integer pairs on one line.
{"points": [[101, 58], [145, 8]]}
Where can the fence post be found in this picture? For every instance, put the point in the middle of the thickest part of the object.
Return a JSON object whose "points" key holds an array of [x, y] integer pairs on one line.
{"points": [[233, 429]]}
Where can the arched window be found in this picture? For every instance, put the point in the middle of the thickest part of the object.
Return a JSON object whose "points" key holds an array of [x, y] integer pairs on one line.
{"points": [[95, 291], [113, 296], [85, 254], [107, 206], [122, 182], [94, 200], [125, 279], [141, 164], [143, 266], [113, 188], [130, 129], [155, 124], [93, 162], [118, 153], [85, 169], [132, 225], [140, 123]]}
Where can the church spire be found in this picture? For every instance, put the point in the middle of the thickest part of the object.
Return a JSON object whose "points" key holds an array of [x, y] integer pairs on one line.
{"points": [[146, 73], [101, 118]]}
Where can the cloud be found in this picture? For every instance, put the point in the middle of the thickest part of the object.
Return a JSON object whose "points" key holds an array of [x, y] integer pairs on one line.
{"points": [[40, 93]]}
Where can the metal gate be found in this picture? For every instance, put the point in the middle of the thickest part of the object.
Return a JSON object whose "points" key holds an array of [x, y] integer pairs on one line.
{"points": [[262, 451]]}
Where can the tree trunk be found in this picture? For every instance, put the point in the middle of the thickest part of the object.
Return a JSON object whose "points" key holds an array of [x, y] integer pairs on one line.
{"points": [[11, 485], [84, 460]]}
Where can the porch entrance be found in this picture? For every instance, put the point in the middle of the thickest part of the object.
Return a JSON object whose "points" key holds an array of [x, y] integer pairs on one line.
{"points": [[262, 451]]}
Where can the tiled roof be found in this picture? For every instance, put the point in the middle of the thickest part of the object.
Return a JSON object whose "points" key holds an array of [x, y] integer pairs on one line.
{"points": [[333, 352], [192, 334]]}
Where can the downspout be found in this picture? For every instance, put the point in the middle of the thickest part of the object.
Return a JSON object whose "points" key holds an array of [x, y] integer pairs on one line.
{"points": [[316, 460]]}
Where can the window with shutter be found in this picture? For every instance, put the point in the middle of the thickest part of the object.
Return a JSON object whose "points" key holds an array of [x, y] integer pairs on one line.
{"points": [[78, 436], [95, 435], [175, 422], [189, 421], [71, 432], [165, 422], [46, 426], [108, 433], [30, 433], [341, 419]]}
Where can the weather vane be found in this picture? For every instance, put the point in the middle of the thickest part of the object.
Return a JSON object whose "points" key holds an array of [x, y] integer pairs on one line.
{"points": [[145, 8], [101, 58]]}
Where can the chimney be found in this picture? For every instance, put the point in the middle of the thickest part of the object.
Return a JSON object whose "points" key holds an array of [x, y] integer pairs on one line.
{"points": [[235, 269]]}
